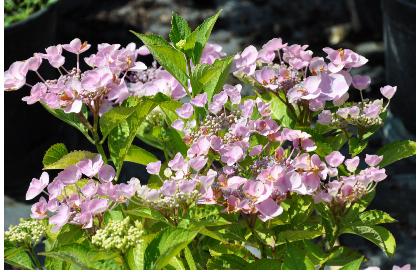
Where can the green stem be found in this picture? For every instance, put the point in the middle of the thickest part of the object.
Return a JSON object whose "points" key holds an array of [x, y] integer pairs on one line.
{"points": [[34, 257]]}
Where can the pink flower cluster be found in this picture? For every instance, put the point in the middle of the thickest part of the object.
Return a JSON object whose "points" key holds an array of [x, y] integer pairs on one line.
{"points": [[343, 189], [304, 78], [74, 199]]}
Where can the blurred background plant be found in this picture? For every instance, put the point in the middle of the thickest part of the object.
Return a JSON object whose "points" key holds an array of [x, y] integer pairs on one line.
{"points": [[18, 10]]}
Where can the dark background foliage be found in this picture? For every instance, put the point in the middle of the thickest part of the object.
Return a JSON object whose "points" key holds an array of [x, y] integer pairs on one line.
{"points": [[384, 32]]}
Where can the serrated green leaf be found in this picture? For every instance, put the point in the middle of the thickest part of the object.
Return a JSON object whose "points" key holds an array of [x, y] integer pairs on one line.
{"points": [[197, 40], [113, 118], [341, 256], [353, 265], [54, 153], [180, 29], [17, 257], [396, 151], [167, 56], [280, 111], [296, 258], [210, 77], [135, 256], [121, 137], [139, 155], [146, 212], [167, 245], [297, 235], [70, 159], [189, 258], [72, 119], [264, 264], [356, 146], [375, 217], [225, 262], [376, 234]]}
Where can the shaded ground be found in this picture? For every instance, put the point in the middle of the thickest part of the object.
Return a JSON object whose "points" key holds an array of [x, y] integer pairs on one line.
{"points": [[320, 23]]}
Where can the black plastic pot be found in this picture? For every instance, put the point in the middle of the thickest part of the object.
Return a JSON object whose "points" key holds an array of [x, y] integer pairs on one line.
{"points": [[399, 30], [29, 130]]}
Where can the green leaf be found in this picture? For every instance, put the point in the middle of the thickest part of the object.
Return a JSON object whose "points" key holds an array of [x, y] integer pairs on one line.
{"points": [[264, 264], [175, 263], [80, 255], [226, 261], [375, 217], [211, 77], [341, 256], [189, 258], [296, 258], [196, 41], [70, 159], [17, 257], [280, 111], [356, 146], [145, 212], [113, 118], [297, 235], [72, 119], [328, 221], [138, 155], [167, 245], [180, 29], [167, 56], [113, 215], [353, 265], [135, 257], [396, 151], [376, 234], [121, 137], [54, 153]]}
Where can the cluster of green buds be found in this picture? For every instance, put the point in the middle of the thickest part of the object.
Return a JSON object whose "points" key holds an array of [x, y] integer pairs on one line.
{"points": [[120, 235], [28, 231]]}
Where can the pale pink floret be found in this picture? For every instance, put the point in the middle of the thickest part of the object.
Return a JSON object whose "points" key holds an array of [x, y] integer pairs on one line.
{"points": [[39, 209], [76, 46], [106, 173], [60, 218], [54, 57], [185, 111], [335, 159], [373, 160], [246, 61], [388, 91], [15, 76], [352, 164], [361, 82], [37, 186], [153, 168]]}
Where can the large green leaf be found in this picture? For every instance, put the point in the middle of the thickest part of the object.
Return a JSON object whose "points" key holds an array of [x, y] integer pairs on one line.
{"points": [[135, 257], [72, 119], [166, 246], [264, 264], [375, 217], [396, 151], [70, 159], [145, 212], [211, 77], [341, 256], [121, 137], [180, 29], [376, 234], [279, 109], [167, 56], [356, 146], [297, 235], [353, 265], [196, 41], [189, 258], [139, 155], [296, 258], [226, 262], [113, 118], [54, 153], [17, 257]]}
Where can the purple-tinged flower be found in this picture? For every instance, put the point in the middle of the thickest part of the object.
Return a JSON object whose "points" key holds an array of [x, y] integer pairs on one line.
{"points": [[211, 53], [230, 154], [178, 124], [256, 150], [268, 209], [267, 77], [335, 159], [52, 205], [257, 191], [343, 58], [143, 51], [325, 117], [233, 92], [199, 147], [197, 163], [168, 188], [263, 108], [95, 79], [352, 164], [76, 46], [90, 167], [106, 173], [185, 111], [404, 267], [70, 175], [216, 143], [235, 182], [267, 53], [39, 209], [34, 62], [200, 100], [322, 196], [38, 92], [178, 162], [54, 57], [218, 102], [15, 76], [373, 160], [90, 208], [55, 188], [373, 109], [361, 82], [246, 61], [297, 56], [153, 168], [37, 186], [388, 91], [89, 189], [123, 192], [60, 218], [247, 108]]}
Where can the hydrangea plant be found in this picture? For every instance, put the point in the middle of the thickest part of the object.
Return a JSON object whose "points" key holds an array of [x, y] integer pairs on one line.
{"points": [[267, 180]]}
